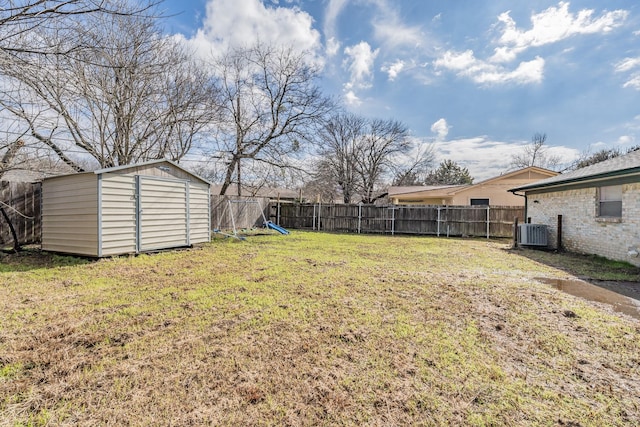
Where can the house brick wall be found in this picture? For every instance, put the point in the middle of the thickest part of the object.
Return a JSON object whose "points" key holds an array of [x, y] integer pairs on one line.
{"points": [[582, 230]]}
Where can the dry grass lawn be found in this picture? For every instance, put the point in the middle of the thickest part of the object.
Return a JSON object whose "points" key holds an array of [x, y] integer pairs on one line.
{"points": [[312, 329]]}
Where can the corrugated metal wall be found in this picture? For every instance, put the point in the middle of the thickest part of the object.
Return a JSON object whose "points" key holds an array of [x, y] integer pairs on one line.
{"points": [[162, 220], [199, 219], [70, 214], [118, 216], [125, 210]]}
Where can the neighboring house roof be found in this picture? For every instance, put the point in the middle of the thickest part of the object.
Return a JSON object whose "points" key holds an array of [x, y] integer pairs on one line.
{"points": [[618, 166], [435, 190], [450, 190]]}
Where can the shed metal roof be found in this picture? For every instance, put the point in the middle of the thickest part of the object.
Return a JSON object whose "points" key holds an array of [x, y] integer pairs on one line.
{"points": [[136, 165]]}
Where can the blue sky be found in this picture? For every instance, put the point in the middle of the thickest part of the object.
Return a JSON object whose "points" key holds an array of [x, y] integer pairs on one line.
{"points": [[474, 78]]}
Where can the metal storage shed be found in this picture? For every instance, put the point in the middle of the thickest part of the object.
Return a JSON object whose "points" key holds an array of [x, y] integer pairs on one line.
{"points": [[125, 209]]}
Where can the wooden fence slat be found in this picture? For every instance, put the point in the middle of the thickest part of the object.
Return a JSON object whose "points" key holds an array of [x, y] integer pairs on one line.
{"points": [[21, 202], [429, 220], [248, 213]]}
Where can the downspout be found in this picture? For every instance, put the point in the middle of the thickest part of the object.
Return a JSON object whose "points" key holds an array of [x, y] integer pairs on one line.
{"points": [[526, 208], [526, 204]]}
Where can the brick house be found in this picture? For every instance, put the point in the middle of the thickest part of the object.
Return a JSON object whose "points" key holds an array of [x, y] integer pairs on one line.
{"points": [[599, 204]]}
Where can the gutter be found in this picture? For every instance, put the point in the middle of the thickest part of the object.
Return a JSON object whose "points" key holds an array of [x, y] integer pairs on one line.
{"points": [[576, 181]]}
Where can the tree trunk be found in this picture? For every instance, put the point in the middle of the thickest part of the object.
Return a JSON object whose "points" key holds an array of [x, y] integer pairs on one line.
{"points": [[16, 243], [227, 179]]}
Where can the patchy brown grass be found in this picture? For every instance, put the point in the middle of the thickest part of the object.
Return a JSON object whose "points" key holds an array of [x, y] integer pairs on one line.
{"points": [[311, 329]]}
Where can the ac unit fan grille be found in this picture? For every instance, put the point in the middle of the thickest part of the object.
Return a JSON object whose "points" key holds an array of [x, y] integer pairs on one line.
{"points": [[532, 235]]}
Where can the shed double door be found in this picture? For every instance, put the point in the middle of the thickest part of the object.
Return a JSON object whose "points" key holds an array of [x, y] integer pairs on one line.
{"points": [[162, 214]]}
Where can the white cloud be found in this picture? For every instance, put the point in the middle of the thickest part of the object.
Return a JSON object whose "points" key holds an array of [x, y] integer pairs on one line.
{"points": [[486, 158], [350, 98], [391, 32], [625, 139], [332, 11], [441, 129], [243, 22], [332, 46], [627, 64], [359, 62], [633, 82], [597, 146], [457, 61], [394, 69], [527, 72], [550, 26], [506, 54], [467, 65]]}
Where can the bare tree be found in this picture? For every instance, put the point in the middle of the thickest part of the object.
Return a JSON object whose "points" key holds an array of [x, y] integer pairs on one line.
{"points": [[270, 104], [535, 154], [356, 154], [383, 139], [415, 169], [588, 158], [340, 139], [22, 22], [138, 96]]}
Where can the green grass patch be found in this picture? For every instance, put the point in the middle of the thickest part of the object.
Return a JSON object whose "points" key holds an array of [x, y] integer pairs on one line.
{"points": [[314, 329]]}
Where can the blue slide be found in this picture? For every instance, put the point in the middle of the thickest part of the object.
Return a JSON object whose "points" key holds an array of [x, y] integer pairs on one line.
{"points": [[277, 228]]}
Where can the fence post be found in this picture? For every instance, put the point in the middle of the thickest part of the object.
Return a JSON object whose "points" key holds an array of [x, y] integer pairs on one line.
{"points": [[359, 216], [313, 221], [278, 213], [488, 222], [393, 221], [438, 223]]}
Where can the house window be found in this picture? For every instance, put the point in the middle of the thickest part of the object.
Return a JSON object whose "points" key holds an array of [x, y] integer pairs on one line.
{"points": [[610, 201], [479, 202]]}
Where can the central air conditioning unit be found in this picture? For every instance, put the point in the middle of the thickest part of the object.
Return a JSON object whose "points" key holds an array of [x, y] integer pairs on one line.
{"points": [[532, 235]]}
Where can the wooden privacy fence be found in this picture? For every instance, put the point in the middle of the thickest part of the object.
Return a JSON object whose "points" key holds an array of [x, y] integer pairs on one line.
{"points": [[229, 212], [485, 221], [21, 202]]}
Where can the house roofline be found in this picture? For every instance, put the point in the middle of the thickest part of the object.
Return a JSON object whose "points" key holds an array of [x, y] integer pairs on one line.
{"points": [[579, 180], [427, 188], [452, 190]]}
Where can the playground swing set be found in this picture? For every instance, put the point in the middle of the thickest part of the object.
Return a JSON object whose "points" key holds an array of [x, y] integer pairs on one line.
{"points": [[266, 223]]}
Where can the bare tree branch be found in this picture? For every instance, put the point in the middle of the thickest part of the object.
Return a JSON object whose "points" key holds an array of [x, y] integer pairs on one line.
{"points": [[137, 96], [270, 104], [358, 153], [535, 154]]}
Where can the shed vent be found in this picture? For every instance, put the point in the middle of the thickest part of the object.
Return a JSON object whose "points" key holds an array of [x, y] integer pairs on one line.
{"points": [[532, 235]]}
